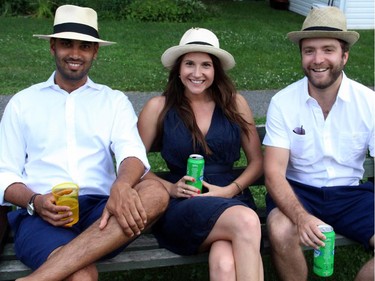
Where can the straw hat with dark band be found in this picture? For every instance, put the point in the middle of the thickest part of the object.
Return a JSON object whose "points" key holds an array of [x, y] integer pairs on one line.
{"points": [[325, 22], [76, 23], [198, 40]]}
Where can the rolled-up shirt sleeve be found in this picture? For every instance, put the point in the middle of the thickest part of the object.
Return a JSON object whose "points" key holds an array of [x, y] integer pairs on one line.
{"points": [[276, 133], [372, 142], [12, 149], [126, 141]]}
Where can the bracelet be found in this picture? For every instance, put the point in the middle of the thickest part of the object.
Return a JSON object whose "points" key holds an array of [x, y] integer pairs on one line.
{"points": [[238, 186]]}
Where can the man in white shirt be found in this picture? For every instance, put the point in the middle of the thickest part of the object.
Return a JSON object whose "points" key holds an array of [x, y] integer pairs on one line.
{"points": [[66, 130], [319, 130]]}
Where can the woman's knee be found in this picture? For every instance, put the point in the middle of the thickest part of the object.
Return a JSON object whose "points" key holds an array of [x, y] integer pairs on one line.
{"points": [[223, 265], [221, 261], [247, 222]]}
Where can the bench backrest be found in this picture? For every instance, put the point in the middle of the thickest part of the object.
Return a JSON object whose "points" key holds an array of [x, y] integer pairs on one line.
{"points": [[368, 164]]}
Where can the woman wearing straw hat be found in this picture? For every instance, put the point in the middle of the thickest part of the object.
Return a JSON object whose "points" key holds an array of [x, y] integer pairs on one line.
{"points": [[200, 112], [319, 130]]}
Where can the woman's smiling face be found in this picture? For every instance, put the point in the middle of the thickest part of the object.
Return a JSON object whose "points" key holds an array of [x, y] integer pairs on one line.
{"points": [[196, 72]]}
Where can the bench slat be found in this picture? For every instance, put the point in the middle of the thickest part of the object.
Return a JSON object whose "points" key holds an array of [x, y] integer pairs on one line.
{"points": [[3, 226], [137, 257], [149, 259], [368, 165]]}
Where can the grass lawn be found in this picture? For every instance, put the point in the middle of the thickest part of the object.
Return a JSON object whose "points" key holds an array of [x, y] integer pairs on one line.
{"points": [[347, 263], [252, 31]]}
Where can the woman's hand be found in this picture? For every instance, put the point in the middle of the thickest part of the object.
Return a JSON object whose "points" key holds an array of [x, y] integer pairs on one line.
{"points": [[214, 190], [183, 190]]}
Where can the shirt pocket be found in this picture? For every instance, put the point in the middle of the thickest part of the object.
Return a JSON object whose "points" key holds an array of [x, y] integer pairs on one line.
{"points": [[352, 146], [302, 149]]}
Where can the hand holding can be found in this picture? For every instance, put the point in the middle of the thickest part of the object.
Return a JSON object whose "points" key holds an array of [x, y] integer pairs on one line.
{"points": [[324, 257], [66, 194], [195, 169]]}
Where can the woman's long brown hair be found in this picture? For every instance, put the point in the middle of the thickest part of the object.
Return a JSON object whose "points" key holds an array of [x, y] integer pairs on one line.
{"points": [[222, 91]]}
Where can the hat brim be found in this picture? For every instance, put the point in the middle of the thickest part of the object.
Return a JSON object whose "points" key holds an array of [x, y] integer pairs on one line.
{"points": [[170, 56], [350, 37], [75, 36]]}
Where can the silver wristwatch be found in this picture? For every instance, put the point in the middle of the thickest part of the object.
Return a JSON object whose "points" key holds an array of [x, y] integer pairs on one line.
{"points": [[30, 206]]}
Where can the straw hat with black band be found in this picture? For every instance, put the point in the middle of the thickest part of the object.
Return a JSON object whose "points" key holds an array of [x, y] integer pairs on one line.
{"points": [[76, 23], [198, 40], [325, 22]]}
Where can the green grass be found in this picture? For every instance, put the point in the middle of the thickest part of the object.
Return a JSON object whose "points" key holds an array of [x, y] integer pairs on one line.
{"points": [[348, 261], [252, 31]]}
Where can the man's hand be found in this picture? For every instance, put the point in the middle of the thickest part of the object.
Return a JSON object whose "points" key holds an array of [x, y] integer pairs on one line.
{"points": [[126, 206], [48, 211], [308, 231]]}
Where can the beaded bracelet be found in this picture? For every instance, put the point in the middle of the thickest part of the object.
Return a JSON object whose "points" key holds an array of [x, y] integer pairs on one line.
{"points": [[238, 186]]}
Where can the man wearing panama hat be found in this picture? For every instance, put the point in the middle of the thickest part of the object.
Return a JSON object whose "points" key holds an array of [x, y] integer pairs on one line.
{"points": [[66, 130], [319, 130]]}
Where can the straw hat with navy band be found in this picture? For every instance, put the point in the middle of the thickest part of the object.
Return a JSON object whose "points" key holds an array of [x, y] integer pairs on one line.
{"points": [[76, 23], [325, 22], [198, 40]]}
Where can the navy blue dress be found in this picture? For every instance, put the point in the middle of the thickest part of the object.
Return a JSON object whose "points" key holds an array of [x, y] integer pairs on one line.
{"points": [[188, 222]]}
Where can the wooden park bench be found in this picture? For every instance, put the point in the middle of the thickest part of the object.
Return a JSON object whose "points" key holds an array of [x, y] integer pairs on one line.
{"points": [[144, 252]]}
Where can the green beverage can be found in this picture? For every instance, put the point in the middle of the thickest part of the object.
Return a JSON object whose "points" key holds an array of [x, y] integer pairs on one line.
{"points": [[195, 169], [324, 257]]}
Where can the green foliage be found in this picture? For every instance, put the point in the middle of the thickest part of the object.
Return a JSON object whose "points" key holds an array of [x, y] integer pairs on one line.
{"points": [[139, 10], [15, 7], [107, 9], [167, 10], [253, 32], [42, 9]]}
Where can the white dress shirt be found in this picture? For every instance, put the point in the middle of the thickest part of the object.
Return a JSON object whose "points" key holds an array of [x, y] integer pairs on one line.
{"points": [[332, 151], [48, 136]]}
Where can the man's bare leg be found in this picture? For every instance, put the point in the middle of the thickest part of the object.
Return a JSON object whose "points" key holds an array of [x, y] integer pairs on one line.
{"points": [[286, 251], [92, 244], [367, 271]]}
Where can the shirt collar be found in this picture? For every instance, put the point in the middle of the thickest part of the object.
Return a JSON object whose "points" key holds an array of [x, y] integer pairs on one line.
{"points": [[343, 93], [50, 83], [306, 97]]}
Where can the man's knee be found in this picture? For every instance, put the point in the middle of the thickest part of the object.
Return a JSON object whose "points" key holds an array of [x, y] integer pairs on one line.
{"points": [[372, 242], [281, 229], [154, 196]]}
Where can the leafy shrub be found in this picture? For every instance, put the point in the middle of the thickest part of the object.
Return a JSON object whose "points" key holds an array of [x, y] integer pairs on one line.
{"points": [[107, 9], [138, 10], [15, 7], [167, 10], [42, 9]]}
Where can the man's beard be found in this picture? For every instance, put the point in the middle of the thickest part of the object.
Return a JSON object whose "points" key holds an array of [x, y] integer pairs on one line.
{"points": [[334, 74]]}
